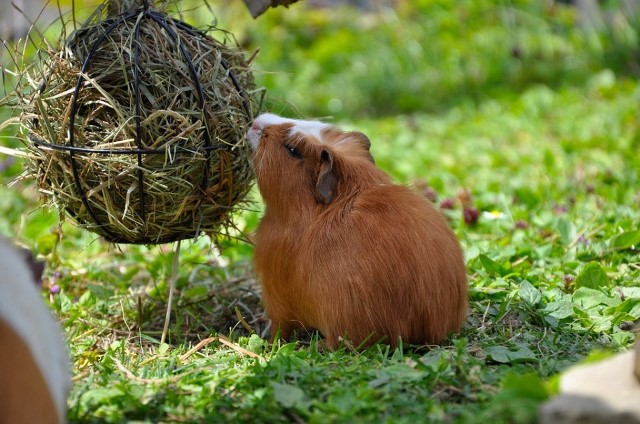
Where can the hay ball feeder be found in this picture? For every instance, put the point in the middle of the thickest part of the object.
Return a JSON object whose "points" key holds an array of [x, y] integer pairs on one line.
{"points": [[137, 129]]}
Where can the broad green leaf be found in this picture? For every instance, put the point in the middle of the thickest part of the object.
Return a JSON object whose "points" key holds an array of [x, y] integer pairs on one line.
{"points": [[100, 291], [630, 292], [435, 361], [528, 386], [402, 372], [195, 293], [343, 400], [287, 349], [65, 303], [491, 266], [88, 299], [566, 229], [603, 323], [505, 355], [527, 196], [378, 382], [471, 252], [581, 314], [255, 343], [587, 255], [622, 338], [629, 306], [519, 399], [163, 349], [529, 294], [543, 251], [397, 373], [588, 298], [626, 240], [592, 276], [558, 310], [101, 396], [287, 395]]}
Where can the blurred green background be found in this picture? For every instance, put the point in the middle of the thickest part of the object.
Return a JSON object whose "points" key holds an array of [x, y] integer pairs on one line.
{"points": [[330, 58]]}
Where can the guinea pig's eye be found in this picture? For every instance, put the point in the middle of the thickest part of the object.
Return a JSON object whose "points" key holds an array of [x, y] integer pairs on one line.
{"points": [[293, 151]]}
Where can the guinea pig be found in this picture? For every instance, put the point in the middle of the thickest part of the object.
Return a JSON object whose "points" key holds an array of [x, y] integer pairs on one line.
{"points": [[34, 364], [342, 249]]}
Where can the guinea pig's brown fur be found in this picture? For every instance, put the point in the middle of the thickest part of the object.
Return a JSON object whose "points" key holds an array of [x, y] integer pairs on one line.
{"points": [[343, 250], [34, 364]]}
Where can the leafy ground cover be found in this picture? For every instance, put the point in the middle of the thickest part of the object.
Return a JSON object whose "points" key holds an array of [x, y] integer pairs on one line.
{"points": [[539, 179]]}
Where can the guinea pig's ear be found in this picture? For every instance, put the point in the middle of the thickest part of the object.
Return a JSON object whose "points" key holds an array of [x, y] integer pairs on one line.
{"points": [[363, 140], [327, 178]]}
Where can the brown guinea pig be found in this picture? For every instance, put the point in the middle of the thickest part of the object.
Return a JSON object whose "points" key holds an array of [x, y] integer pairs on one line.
{"points": [[343, 250], [34, 364]]}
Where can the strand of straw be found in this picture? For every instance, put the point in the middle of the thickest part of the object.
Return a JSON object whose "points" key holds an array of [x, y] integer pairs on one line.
{"points": [[172, 289]]}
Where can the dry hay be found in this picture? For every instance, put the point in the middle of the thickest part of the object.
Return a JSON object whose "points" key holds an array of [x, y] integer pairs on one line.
{"points": [[158, 151]]}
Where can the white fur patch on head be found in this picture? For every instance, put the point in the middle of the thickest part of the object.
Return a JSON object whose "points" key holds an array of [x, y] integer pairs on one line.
{"points": [[22, 308], [299, 126]]}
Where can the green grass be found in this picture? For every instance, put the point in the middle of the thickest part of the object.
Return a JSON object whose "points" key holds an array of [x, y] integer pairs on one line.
{"points": [[553, 261]]}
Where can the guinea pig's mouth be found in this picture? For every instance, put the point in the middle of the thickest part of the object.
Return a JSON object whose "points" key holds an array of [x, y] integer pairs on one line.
{"points": [[253, 135]]}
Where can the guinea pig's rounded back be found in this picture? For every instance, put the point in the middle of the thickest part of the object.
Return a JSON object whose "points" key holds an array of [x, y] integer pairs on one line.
{"points": [[34, 364]]}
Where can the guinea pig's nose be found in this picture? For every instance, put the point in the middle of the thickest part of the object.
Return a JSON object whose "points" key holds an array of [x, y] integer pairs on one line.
{"points": [[253, 135], [255, 126]]}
